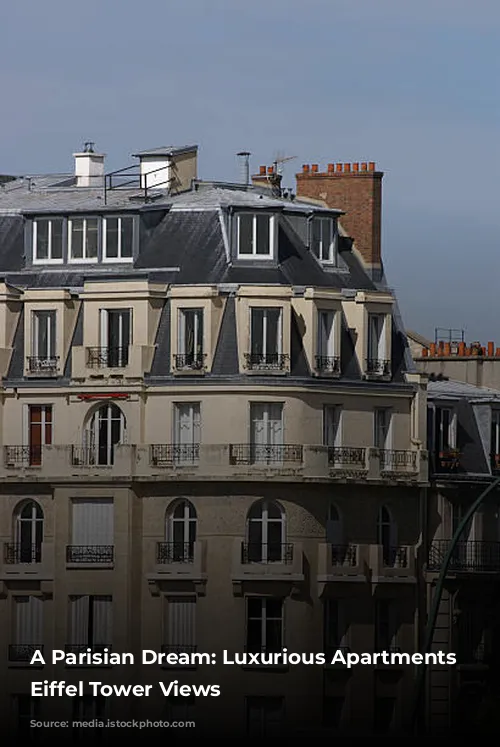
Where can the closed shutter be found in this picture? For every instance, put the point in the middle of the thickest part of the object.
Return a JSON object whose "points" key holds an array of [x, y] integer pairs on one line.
{"points": [[79, 620], [93, 522], [29, 620], [181, 623], [102, 620]]}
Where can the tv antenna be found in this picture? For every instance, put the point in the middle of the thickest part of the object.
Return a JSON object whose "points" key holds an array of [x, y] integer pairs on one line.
{"points": [[280, 160]]}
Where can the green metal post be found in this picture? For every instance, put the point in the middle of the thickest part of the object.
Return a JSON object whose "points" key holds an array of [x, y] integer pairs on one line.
{"points": [[431, 622]]}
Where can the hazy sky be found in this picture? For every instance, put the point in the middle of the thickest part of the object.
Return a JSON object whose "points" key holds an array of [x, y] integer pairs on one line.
{"points": [[410, 84]]}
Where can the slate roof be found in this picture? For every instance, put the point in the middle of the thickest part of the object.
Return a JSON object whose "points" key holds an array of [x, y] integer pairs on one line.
{"points": [[455, 390]]}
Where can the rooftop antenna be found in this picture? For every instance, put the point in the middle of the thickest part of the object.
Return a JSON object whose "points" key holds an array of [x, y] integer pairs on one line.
{"points": [[280, 160], [244, 155], [277, 174]]}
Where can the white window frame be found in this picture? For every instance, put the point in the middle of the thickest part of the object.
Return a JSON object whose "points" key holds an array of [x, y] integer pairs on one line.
{"points": [[50, 260], [328, 257], [377, 412], [279, 341], [332, 420], [272, 235], [198, 312], [84, 259], [35, 329], [119, 258], [263, 621], [452, 429], [382, 351]]}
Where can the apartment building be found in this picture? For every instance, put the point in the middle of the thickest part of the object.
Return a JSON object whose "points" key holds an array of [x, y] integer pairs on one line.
{"points": [[213, 438]]}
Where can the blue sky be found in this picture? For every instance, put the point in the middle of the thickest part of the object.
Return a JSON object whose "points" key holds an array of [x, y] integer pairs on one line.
{"points": [[412, 85]]}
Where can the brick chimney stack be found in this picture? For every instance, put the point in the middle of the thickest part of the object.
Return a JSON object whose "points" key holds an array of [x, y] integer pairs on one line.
{"points": [[355, 189]]}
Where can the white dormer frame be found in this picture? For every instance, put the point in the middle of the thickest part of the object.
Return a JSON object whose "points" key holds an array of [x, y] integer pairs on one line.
{"points": [[273, 233], [327, 250]]}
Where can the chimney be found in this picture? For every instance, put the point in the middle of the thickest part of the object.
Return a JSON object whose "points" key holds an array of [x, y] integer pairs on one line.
{"points": [[89, 167], [356, 190], [268, 178], [244, 157], [168, 168]]}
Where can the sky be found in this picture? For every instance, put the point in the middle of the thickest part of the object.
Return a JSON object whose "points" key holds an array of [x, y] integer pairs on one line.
{"points": [[409, 84]]}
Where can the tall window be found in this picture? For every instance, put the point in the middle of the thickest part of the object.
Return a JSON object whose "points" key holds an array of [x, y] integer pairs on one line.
{"points": [[180, 625], [39, 431], [90, 622], [26, 709], [266, 343], [190, 353], [47, 240], [264, 625], [28, 636], [334, 626], [118, 235], [116, 336], [187, 432], [255, 234], [445, 429], [105, 431], [43, 342], [265, 717], [266, 433], [377, 362], [28, 533], [88, 708], [386, 625], [326, 359], [382, 428], [180, 532], [83, 235], [266, 533], [332, 425], [323, 242], [334, 528], [92, 535], [387, 536]]}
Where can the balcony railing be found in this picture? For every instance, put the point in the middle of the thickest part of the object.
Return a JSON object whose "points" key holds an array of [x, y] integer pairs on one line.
{"points": [[447, 461], [345, 555], [178, 648], [266, 361], [272, 552], [340, 456], [471, 556], [265, 454], [94, 554], [397, 460], [23, 652], [174, 552], [327, 364], [395, 557], [166, 454], [18, 552], [22, 456], [189, 361], [83, 648], [378, 367], [108, 357], [43, 365]]}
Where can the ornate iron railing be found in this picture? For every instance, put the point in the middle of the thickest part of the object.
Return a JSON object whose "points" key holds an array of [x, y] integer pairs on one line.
{"points": [[23, 456], [397, 459], [189, 361], [327, 364], [378, 367], [272, 552], [43, 365], [266, 361], [90, 553], [108, 357], [178, 648], [265, 454], [18, 552], [344, 555], [167, 454], [468, 556], [23, 652], [174, 552], [395, 557], [339, 456], [81, 648]]}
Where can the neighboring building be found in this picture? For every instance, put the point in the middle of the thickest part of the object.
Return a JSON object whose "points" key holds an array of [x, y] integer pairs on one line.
{"points": [[213, 438], [473, 363], [464, 456], [417, 343]]}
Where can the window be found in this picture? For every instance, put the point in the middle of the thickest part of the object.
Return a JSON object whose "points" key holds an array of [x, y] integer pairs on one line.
{"points": [[264, 625], [265, 533], [326, 359], [106, 429], [384, 710], [88, 708], [386, 625], [445, 429], [382, 421], [255, 235], [266, 433], [28, 531], [323, 240], [118, 233], [83, 236], [92, 533], [334, 627], [334, 529], [187, 432], [115, 338], [387, 536], [377, 363], [265, 717], [266, 339], [28, 634], [90, 622], [47, 240], [190, 353], [180, 625], [332, 431], [180, 532], [27, 709], [39, 431], [43, 343], [181, 710], [333, 708]]}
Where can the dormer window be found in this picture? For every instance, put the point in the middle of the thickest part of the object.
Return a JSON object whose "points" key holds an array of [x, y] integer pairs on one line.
{"points": [[117, 238], [255, 235], [48, 240], [83, 235], [323, 240]]}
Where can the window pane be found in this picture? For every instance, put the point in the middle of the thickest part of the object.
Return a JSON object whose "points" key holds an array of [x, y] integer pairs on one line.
{"points": [[127, 226], [112, 237], [91, 238], [316, 237], [77, 238], [245, 234], [272, 341], [254, 607], [263, 224], [56, 243], [273, 635], [257, 339], [274, 608], [42, 239]]}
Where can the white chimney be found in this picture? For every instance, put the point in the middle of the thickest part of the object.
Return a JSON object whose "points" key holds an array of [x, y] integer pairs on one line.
{"points": [[169, 168], [89, 167]]}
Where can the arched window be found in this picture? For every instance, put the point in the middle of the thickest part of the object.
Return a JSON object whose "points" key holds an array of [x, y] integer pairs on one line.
{"points": [[28, 533], [387, 535], [266, 533], [105, 430], [334, 529], [180, 531]]}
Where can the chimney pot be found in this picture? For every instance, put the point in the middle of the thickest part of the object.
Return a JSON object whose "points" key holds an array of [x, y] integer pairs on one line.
{"points": [[262, 170], [447, 349], [371, 166], [364, 166], [425, 353], [491, 349], [347, 168], [432, 349], [355, 167], [331, 168], [338, 167], [305, 168], [315, 168], [497, 353], [461, 349], [270, 170]]}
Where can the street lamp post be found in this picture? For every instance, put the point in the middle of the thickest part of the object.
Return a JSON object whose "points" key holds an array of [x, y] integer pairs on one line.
{"points": [[431, 621]]}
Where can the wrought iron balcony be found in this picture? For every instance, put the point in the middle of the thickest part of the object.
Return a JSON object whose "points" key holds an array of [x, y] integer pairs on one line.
{"points": [[469, 556], [108, 357], [174, 552], [94, 554], [23, 456], [265, 454], [340, 456], [19, 552], [189, 361], [345, 555], [162, 455], [397, 460], [43, 365], [327, 364], [83, 648], [266, 361], [22, 653], [395, 557], [178, 648], [378, 367], [272, 552], [447, 461]]}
